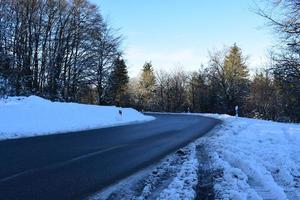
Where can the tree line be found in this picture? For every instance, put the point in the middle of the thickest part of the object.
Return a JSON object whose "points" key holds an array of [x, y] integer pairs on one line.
{"points": [[219, 87], [271, 93], [64, 50], [57, 49]]}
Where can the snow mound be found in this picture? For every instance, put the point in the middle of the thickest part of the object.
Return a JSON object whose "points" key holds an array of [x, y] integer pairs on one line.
{"points": [[32, 116], [183, 184], [259, 159], [172, 178]]}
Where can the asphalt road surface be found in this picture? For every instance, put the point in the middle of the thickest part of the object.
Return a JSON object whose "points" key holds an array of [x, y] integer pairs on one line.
{"points": [[75, 165]]}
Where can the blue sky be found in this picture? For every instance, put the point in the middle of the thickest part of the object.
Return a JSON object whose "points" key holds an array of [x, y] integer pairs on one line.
{"points": [[179, 33]]}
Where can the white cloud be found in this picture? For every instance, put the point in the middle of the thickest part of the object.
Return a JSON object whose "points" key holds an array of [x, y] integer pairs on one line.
{"points": [[185, 59], [189, 59]]}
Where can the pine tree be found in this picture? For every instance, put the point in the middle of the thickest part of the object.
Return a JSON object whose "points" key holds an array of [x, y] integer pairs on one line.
{"points": [[118, 83], [147, 84], [236, 79], [231, 75]]}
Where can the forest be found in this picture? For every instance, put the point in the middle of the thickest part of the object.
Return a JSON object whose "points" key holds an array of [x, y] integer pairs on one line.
{"points": [[65, 51]]}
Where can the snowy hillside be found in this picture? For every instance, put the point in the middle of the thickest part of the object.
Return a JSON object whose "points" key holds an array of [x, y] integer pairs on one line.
{"points": [[31, 116], [255, 159]]}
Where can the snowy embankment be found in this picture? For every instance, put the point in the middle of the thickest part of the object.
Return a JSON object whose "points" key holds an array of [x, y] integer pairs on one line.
{"points": [[32, 116], [255, 159]]}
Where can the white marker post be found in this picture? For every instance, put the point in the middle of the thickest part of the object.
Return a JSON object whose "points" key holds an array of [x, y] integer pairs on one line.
{"points": [[236, 111]]}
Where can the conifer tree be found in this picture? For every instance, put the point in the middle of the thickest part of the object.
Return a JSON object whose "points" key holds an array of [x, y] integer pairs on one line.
{"points": [[147, 86], [230, 74], [236, 79], [118, 83]]}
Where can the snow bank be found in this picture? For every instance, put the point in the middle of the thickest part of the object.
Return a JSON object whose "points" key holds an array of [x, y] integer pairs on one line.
{"points": [[183, 184], [259, 159], [32, 116], [174, 177]]}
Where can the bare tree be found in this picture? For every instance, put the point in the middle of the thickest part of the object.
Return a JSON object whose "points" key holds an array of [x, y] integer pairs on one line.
{"points": [[284, 18], [57, 48]]}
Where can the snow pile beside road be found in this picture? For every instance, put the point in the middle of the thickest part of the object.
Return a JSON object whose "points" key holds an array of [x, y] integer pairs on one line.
{"points": [[32, 116], [182, 186], [258, 159], [173, 178]]}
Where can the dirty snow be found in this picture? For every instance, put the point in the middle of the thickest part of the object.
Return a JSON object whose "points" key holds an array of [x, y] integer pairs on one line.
{"points": [[182, 186], [174, 177], [32, 116]]}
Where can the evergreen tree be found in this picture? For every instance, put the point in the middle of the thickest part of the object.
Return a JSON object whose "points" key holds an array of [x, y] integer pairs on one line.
{"points": [[229, 78], [119, 79], [236, 79], [147, 84]]}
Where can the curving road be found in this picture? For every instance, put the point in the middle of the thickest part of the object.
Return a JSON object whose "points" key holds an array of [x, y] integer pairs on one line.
{"points": [[75, 165]]}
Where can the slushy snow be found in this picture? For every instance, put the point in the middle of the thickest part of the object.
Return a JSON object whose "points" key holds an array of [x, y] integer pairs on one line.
{"points": [[32, 116], [173, 178]]}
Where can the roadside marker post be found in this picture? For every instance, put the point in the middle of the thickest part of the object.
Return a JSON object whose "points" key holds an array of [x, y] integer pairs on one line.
{"points": [[236, 111], [119, 115]]}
